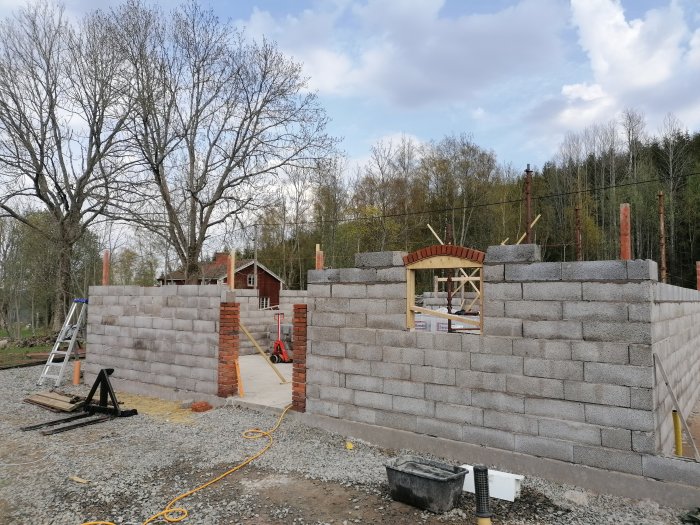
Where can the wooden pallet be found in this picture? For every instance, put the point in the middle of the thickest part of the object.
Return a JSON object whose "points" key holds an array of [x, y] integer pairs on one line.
{"points": [[56, 401]]}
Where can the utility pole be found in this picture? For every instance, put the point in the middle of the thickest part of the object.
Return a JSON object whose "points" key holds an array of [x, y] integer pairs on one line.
{"points": [[662, 238], [577, 234], [528, 205]]}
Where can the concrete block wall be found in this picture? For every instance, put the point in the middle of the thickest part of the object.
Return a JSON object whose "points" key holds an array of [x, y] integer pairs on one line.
{"points": [[563, 370], [675, 316], [160, 340]]}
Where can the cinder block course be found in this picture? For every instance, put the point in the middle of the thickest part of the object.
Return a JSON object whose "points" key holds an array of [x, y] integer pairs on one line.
{"points": [[494, 308], [503, 326], [640, 355], [498, 401], [544, 447], [642, 398], [554, 408], [594, 271], [549, 349], [512, 253], [353, 413], [677, 470], [618, 438], [331, 305], [411, 356], [553, 330], [642, 269], [431, 374], [323, 377], [535, 386], [387, 321], [618, 292], [340, 395], [318, 290], [386, 291], [609, 459], [446, 359], [355, 291], [412, 405], [491, 344], [503, 291], [395, 420], [618, 417], [553, 291], [398, 387], [352, 335], [569, 431], [439, 428], [357, 275], [534, 310], [600, 352], [322, 276], [494, 273], [328, 319], [397, 274], [554, 369], [373, 400], [489, 437], [511, 422], [379, 259], [623, 332], [601, 394], [625, 375], [595, 311], [481, 380], [644, 442], [363, 352], [640, 312], [327, 348], [443, 393], [391, 370], [540, 271], [500, 364], [323, 408]]}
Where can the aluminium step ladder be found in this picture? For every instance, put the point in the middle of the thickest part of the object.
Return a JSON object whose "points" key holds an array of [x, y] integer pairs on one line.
{"points": [[67, 338]]}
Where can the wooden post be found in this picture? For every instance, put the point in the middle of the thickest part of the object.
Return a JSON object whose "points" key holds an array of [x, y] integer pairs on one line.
{"points": [[528, 205], [231, 270], [319, 258], [662, 239], [625, 235], [697, 274], [577, 235], [105, 268]]}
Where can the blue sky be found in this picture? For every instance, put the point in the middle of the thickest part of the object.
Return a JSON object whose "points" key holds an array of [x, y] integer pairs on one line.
{"points": [[515, 74]]}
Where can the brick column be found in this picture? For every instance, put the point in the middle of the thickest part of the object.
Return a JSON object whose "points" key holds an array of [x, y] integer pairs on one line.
{"points": [[299, 365], [229, 317]]}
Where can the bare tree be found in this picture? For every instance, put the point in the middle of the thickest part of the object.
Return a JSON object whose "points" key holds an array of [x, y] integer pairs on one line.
{"points": [[61, 111], [214, 115]]}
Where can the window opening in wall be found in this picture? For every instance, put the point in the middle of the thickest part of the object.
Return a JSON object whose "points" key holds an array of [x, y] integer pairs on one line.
{"points": [[251, 280], [264, 302]]}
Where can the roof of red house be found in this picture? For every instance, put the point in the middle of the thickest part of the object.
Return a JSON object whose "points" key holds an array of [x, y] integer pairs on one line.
{"points": [[216, 269]]}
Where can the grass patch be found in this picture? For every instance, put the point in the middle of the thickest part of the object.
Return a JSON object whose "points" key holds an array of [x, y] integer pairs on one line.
{"points": [[17, 355]]}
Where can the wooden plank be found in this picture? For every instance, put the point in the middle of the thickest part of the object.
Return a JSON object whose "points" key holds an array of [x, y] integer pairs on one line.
{"points": [[443, 261], [442, 315], [261, 352], [54, 400]]}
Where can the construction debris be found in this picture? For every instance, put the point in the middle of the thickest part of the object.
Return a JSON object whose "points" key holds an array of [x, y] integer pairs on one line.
{"points": [[56, 401]]}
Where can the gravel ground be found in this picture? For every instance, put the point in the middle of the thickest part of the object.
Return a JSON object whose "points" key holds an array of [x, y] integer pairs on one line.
{"points": [[136, 465]]}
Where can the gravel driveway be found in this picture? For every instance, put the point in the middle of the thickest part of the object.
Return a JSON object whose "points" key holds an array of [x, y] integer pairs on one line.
{"points": [[135, 466]]}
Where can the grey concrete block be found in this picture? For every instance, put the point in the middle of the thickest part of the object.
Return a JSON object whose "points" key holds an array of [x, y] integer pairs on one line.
{"points": [[373, 400], [642, 269], [204, 326], [554, 408], [642, 398], [385, 291], [494, 308], [391, 275], [624, 332], [396, 338], [625, 375], [570, 431], [318, 290], [640, 312], [618, 417], [498, 401], [503, 291], [500, 364], [609, 459], [594, 271], [397, 387], [481, 380], [322, 408], [331, 305], [544, 447], [437, 428], [534, 310], [473, 342], [644, 442], [431, 374], [391, 370], [322, 276], [503, 326], [369, 306], [511, 422], [415, 406], [601, 394], [355, 291], [394, 306], [494, 273], [361, 414], [387, 321], [677, 470], [512, 253], [553, 291], [535, 386], [446, 359], [595, 311], [187, 313], [618, 438], [366, 336], [451, 342], [353, 366], [553, 369], [357, 275], [395, 420], [617, 292], [600, 352], [379, 259], [327, 348], [491, 344], [328, 319], [542, 271], [410, 356], [184, 325], [322, 377], [443, 393], [325, 333], [363, 352], [552, 330], [360, 321], [364, 383], [489, 437], [337, 394], [549, 349]]}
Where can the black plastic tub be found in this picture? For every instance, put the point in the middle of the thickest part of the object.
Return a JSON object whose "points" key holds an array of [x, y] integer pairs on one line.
{"points": [[424, 483]]}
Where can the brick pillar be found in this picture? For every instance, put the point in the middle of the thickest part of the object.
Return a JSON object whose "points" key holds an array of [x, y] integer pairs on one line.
{"points": [[229, 317], [299, 365], [697, 273], [625, 232]]}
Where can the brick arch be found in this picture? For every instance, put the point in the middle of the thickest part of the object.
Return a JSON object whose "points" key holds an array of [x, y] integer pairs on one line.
{"points": [[451, 250]]}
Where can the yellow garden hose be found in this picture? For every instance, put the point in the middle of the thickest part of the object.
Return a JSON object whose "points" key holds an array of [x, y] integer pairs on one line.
{"points": [[175, 514]]}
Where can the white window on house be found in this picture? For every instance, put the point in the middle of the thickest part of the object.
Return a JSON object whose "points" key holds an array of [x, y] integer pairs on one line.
{"points": [[251, 280], [264, 302]]}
